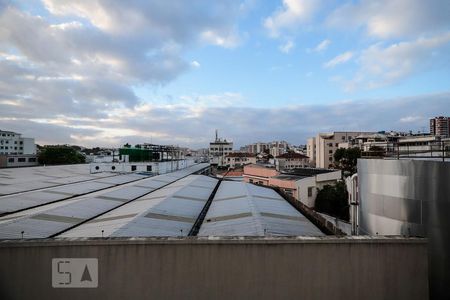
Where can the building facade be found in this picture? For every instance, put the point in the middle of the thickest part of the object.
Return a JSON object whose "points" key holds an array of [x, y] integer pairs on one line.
{"points": [[14, 143], [325, 145], [440, 126], [218, 150], [239, 159], [291, 160]]}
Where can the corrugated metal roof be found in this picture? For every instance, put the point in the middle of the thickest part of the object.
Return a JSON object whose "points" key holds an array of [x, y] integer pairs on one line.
{"points": [[169, 211], [26, 179], [42, 222], [243, 209], [16, 202]]}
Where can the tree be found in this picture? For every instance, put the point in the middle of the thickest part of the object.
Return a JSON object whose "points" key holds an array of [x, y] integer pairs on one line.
{"points": [[346, 159], [333, 200], [60, 155]]}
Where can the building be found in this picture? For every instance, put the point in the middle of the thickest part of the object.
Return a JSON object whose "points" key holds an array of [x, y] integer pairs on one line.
{"points": [[440, 126], [238, 159], [300, 183], [278, 148], [259, 173], [218, 150], [325, 144], [16, 151], [14, 143], [291, 160]]}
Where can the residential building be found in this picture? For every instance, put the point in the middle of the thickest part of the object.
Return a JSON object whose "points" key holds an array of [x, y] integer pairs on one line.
{"points": [[259, 173], [301, 183], [278, 148], [16, 151], [218, 150], [325, 144], [238, 159], [440, 126], [14, 143], [291, 160]]}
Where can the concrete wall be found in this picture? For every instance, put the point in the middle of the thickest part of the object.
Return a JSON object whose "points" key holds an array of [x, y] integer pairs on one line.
{"points": [[271, 268]]}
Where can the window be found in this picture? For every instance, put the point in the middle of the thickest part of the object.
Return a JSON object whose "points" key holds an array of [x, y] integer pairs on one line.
{"points": [[32, 159], [21, 142], [21, 159], [113, 168], [331, 158], [251, 180], [337, 144], [133, 168], [97, 167], [310, 191], [330, 151], [149, 168], [11, 159]]}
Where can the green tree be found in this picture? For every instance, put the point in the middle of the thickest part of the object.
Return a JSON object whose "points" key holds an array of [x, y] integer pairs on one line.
{"points": [[60, 155], [333, 200], [346, 159]]}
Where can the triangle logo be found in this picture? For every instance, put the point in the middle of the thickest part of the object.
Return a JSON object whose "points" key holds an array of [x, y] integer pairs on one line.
{"points": [[86, 276]]}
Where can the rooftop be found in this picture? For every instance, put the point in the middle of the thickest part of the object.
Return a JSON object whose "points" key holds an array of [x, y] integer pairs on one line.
{"points": [[292, 155], [67, 201]]}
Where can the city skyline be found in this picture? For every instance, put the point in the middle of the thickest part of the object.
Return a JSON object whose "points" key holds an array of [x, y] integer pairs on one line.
{"points": [[97, 74]]}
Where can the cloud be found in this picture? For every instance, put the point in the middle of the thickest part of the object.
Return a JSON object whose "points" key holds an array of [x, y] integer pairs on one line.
{"points": [[340, 59], [322, 46], [194, 125], [195, 64], [83, 58], [290, 16], [393, 18], [287, 47], [380, 65]]}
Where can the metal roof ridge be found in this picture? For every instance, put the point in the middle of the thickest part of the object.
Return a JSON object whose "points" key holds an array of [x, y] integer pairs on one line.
{"points": [[256, 215]]}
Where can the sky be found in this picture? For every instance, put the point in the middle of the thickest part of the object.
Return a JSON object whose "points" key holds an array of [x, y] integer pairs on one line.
{"points": [[108, 72]]}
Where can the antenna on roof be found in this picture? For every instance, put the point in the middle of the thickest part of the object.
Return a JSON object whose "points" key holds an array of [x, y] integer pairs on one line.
{"points": [[216, 135]]}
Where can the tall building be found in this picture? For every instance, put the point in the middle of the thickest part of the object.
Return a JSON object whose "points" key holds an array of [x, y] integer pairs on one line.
{"points": [[218, 150], [440, 126], [12, 143], [325, 144]]}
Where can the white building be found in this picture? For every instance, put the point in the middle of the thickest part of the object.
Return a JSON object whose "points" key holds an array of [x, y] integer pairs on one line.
{"points": [[218, 150], [325, 144], [291, 160], [239, 159], [13, 143]]}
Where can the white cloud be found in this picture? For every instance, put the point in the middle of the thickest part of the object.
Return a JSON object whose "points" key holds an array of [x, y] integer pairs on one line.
{"points": [[411, 119], [290, 16], [287, 47], [393, 18], [322, 46], [381, 65], [193, 125], [195, 64], [340, 59], [223, 39]]}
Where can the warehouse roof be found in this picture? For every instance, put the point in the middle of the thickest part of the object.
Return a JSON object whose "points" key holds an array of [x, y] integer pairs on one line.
{"points": [[169, 211], [243, 209]]}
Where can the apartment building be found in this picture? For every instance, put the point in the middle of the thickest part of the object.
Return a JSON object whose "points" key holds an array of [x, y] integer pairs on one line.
{"points": [[13, 143], [16, 151], [440, 126], [325, 144], [301, 183], [291, 160], [218, 150], [239, 159]]}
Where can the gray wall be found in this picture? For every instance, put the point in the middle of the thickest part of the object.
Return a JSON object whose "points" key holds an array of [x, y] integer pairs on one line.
{"points": [[409, 197], [202, 268]]}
